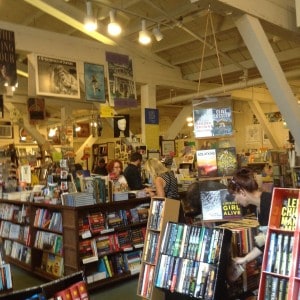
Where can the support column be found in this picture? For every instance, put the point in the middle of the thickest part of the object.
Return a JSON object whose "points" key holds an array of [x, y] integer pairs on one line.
{"points": [[179, 122], [148, 100], [270, 69]]}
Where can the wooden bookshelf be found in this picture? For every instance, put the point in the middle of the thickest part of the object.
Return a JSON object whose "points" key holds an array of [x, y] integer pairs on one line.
{"points": [[281, 259], [71, 237]]}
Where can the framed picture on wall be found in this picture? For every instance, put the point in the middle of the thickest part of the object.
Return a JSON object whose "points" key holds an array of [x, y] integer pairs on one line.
{"points": [[57, 77], [167, 147]]}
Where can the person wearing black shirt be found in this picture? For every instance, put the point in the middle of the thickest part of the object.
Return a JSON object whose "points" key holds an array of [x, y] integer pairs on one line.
{"points": [[245, 189], [132, 172], [101, 168]]}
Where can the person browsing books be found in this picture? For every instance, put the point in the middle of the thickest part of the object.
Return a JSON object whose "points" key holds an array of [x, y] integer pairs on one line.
{"points": [[164, 180], [115, 169], [132, 172], [245, 189]]}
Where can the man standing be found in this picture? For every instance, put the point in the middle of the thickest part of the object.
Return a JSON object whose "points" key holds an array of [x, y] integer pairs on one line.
{"points": [[132, 172]]}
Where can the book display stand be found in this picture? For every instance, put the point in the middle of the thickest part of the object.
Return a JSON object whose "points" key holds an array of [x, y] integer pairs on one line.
{"points": [[162, 210], [193, 260], [280, 277]]}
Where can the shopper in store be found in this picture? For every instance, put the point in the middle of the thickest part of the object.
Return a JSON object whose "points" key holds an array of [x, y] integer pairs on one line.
{"points": [[115, 174], [164, 180], [132, 172], [245, 189], [101, 168]]}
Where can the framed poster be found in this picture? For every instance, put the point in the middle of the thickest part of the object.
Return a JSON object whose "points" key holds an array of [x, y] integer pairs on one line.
{"points": [[167, 147], [94, 82], [57, 77]]}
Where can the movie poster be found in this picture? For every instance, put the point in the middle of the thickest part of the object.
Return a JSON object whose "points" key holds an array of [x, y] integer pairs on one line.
{"points": [[57, 77]]}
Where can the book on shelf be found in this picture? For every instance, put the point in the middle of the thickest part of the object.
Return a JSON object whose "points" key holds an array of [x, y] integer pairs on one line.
{"points": [[52, 264], [192, 272], [88, 251], [289, 213]]}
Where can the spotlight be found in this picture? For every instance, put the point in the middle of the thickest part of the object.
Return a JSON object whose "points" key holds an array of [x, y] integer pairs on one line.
{"points": [[90, 23], [144, 34], [113, 28], [157, 33]]}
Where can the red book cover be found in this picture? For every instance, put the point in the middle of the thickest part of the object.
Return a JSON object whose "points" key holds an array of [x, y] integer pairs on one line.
{"points": [[82, 289], [64, 294], [74, 292]]}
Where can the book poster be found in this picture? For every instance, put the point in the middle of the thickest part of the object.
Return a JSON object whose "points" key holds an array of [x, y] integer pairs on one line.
{"points": [[8, 69], [122, 89], [121, 126], [207, 162], [36, 109], [218, 205], [94, 82], [226, 161], [57, 77], [210, 122]]}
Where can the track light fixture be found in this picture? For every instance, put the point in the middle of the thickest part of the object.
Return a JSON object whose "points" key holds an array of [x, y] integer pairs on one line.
{"points": [[157, 33], [113, 28], [144, 34], [90, 22]]}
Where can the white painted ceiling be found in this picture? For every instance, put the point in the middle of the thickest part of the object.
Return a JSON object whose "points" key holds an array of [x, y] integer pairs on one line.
{"points": [[183, 24]]}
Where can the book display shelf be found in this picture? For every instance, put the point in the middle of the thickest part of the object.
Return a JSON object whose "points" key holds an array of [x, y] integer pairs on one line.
{"points": [[280, 277], [103, 240], [162, 210], [193, 260]]}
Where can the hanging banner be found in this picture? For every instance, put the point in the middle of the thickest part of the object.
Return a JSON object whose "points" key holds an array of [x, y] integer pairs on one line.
{"points": [[122, 90], [8, 69]]}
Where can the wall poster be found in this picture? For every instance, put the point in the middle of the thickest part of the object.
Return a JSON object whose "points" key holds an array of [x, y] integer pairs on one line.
{"points": [[94, 82], [122, 90], [57, 77]]}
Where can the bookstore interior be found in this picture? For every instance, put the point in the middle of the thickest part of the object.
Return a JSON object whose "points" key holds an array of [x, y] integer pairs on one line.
{"points": [[65, 217]]}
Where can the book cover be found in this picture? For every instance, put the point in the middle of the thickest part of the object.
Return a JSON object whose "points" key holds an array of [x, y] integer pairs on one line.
{"points": [[218, 205], [289, 214], [64, 294], [222, 121], [55, 265], [271, 252], [74, 292], [207, 163], [226, 161]]}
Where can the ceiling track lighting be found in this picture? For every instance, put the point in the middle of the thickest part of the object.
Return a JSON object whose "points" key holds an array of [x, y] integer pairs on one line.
{"points": [[157, 33], [90, 22], [144, 34], [113, 28]]}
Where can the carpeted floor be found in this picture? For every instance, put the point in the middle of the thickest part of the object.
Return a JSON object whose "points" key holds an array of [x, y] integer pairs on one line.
{"points": [[127, 289]]}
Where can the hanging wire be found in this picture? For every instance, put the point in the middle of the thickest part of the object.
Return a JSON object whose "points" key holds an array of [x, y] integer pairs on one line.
{"points": [[209, 20]]}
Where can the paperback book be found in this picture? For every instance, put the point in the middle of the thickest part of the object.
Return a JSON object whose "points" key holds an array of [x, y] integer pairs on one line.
{"points": [[218, 205]]}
